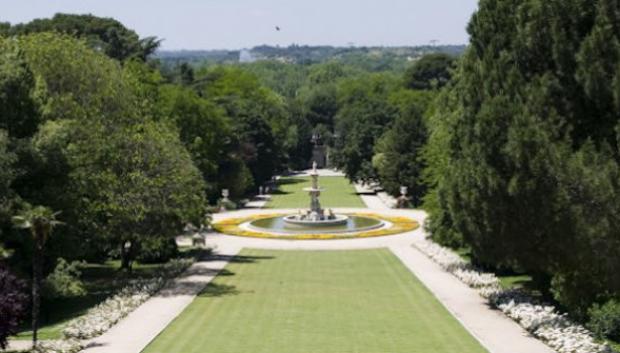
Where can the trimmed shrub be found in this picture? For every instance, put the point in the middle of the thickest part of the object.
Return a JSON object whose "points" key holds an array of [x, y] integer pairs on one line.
{"points": [[605, 320]]}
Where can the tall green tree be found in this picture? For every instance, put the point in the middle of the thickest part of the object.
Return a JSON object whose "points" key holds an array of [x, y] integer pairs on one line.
{"points": [[8, 173], [206, 132], [119, 174], [41, 221], [19, 114], [364, 115], [258, 118], [398, 153], [531, 174], [137, 181], [105, 34], [430, 71]]}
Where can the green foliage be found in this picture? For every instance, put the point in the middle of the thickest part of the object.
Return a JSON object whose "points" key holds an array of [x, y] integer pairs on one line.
{"points": [[140, 183], [328, 72], [258, 118], [205, 132], [525, 154], [99, 156], [105, 34], [364, 115], [157, 250], [283, 78], [367, 59], [41, 221], [7, 172], [19, 114], [605, 320], [430, 71], [75, 82], [320, 103], [398, 159], [436, 157], [64, 281]]}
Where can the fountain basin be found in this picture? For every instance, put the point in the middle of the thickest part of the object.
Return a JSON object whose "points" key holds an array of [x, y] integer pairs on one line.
{"points": [[337, 220], [343, 224]]}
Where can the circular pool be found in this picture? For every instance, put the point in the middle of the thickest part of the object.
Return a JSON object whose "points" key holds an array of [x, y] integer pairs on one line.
{"points": [[280, 225]]}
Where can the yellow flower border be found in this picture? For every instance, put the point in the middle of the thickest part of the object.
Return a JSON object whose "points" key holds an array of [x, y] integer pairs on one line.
{"points": [[230, 226]]}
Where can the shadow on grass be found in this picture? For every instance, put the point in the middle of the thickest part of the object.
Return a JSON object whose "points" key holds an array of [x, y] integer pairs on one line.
{"points": [[218, 290], [291, 181], [192, 287], [240, 259], [280, 192]]}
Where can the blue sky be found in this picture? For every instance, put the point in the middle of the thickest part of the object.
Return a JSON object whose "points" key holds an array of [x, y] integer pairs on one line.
{"points": [[233, 24]]}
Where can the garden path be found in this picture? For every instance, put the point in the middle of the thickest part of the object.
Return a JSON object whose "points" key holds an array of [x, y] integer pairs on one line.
{"points": [[496, 332]]}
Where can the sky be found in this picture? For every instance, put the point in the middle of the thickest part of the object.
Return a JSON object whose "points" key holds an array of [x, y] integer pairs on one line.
{"points": [[235, 24]]}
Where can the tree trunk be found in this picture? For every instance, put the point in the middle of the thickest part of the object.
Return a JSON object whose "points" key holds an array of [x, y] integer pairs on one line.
{"points": [[37, 270]]}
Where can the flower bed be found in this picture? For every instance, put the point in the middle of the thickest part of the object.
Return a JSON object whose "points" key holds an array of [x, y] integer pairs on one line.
{"points": [[542, 321], [231, 226], [59, 346], [103, 316]]}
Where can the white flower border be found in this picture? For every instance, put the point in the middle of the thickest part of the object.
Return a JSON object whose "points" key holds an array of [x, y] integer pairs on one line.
{"points": [[102, 317], [542, 321]]}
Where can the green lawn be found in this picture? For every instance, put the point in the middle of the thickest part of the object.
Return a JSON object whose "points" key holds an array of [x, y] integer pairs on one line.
{"points": [[315, 302], [339, 192]]}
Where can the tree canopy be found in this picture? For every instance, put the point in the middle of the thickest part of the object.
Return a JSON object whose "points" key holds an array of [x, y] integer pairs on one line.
{"points": [[105, 34], [531, 145]]}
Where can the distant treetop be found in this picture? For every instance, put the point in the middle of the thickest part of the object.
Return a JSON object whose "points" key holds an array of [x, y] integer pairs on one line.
{"points": [[104, 34], [431, 71]]}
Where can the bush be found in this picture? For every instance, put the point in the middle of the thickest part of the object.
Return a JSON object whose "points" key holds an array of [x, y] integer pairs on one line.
{"points": [[157, 250], [64, 281], [13, 304], [605, 320]]}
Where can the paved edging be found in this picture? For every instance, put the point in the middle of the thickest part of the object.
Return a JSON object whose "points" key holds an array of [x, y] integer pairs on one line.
{"points": [[495, 331], [370, 198], [138, 329]]}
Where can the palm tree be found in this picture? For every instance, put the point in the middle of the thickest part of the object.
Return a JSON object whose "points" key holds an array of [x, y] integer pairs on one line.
{"points": [[41, 221]]}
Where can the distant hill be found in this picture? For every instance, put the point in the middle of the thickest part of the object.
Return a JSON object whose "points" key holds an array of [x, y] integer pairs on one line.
{"points": [[375, 58]]}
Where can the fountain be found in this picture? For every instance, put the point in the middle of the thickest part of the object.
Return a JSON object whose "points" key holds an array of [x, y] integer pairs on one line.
{"points": [[314, 220], [315, 215]]}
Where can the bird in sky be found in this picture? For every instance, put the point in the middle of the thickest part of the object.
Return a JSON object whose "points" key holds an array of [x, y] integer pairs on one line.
{"points": [[278, 28]]}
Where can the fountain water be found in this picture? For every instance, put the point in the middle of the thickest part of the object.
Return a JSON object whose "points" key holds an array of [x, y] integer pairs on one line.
{"points": [[315, 215], [315, 219]]}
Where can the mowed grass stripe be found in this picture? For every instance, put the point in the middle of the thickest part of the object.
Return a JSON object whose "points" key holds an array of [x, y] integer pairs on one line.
{"points": [[339, 192], [363, 301]]}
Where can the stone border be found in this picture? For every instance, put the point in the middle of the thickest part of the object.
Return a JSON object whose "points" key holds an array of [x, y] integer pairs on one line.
{"points": [[235, 227], [381, 225]]}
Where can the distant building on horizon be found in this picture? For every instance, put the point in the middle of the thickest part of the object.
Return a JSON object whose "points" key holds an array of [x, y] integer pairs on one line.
{"points": [[245, 56]]}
